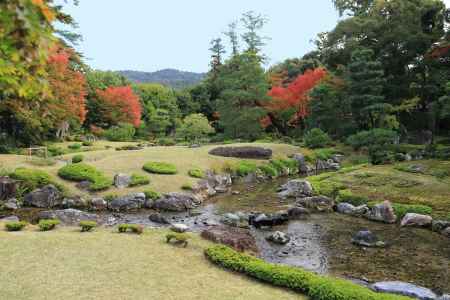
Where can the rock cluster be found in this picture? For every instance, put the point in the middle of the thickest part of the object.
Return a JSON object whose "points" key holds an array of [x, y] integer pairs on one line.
{"points": [[243, 152]]}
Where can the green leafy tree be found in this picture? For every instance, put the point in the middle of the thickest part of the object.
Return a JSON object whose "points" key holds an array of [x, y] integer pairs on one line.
{"points": [[233, 37], [253, 24], [195, 127], [245, 87]]}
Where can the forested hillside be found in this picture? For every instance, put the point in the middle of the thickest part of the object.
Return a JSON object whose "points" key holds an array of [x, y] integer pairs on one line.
{"points": [[168, 77]]}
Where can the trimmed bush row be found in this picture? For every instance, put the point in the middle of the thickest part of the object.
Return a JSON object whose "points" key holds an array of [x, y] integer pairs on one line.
{"points": [[151, 194], [137, 179], [87, 226], [315, 286], [196, 173], [47, 225], [401, 210], [81, 172], [15, 226], [134, 228], [348, 197], [160, 168], [77, 158]]}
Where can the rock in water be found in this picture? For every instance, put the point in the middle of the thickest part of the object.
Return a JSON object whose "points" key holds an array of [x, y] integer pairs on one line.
{"points": [[316, 203], [446, 232], [128, 202], [242, 152], [12, 204], [405, 289], [366, 238], [349, 209], [99, 204], [295, 188], [177, 202], [237, 238], [180, 228], [47, 197], [412, 219], [279, 237], [295, 213], [382, 212], [122, 181], [439, 226], [158, 218]]}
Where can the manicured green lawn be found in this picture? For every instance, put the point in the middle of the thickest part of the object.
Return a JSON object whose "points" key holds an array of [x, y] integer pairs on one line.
{"points": [[112, 162], [67, 264]]}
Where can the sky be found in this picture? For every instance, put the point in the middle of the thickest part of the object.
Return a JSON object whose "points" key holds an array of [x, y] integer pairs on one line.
{"points": [[149, 35]]}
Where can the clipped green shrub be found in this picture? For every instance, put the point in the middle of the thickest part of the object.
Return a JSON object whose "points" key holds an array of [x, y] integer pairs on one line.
{"points": [[269, 170], [243, 168], [110, 197], [187, 187], [380, 155], [124, 132], [378, 136], [55, 150], [178, 238], [31, 179], [402, 209], [151, 194], [282, 165], [137, 179], [315, 286], [74, 146], [77, 158], [166, 141], [347, 196], [316, 138], [81, 172], [87, 226], [323, 186], [87, 143], [134, 228], [160, 168], [15, 226], [196, 173], [47, 225], [324, 154]]}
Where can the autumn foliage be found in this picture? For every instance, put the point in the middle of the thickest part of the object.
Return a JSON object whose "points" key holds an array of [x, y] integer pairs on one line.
{"points": [[68, 87], [295, 95], [120, 104]]}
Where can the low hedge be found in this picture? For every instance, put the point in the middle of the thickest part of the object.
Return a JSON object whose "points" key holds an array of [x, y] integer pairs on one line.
{"points": [[196, 173], [47, 225], [151, 194], [137, 179], [87, 226], [81, 172], [187, 187], [315, 286], [401, 210], [15, 226], [77, 158], [160, 168], [243, 168], [74, 146], [134, 228], [348, 197], [31, 179], [322, 185]]}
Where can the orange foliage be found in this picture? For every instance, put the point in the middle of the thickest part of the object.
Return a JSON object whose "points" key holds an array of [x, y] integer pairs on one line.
{"points": [[48, 13], [68, 86], [295, 95], [120, 105]]}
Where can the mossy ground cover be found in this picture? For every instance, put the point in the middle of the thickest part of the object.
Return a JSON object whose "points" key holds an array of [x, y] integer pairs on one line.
{"points": [[110, 162], [389, 182], [67, 264]]}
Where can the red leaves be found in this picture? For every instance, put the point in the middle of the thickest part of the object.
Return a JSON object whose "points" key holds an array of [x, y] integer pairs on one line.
{"points": [[121, 105], [295, 95], [67, 85]]}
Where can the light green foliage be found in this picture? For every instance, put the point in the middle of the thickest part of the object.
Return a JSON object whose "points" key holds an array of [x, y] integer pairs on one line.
{"points": [[195, 127], [55, 150], [316, 138], [323, 185], [378, 137], [269, 170], [77, 158], [124, 132], [402, 209], [137, 179], [348, 196], [47, 225], [81, 172], [150, 194], [316, 286], [243, 168], [31, 179], [87, 226], [74, 146], [187, 187], [179, 238], [15, 226], [196, 173], [134, 228], [160, 168], [285, 166]]}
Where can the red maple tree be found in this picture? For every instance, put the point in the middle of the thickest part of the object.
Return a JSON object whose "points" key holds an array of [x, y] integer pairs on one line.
{"points": [[67, 85], [120, 104], [295, 95]]}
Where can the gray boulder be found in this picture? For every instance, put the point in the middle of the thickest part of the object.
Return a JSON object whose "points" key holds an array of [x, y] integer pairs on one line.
{"points": [[337, 158], [10, 219], [99, 204], [279, 237], [444, 297], [74, 202], [405, 289], [203, 189], [296, 213], [219, 182], [177, 202], [446, 232], [382, 212], [316, 203], [417, 220], [295, 188], [128, 202], [12, 204], [237, 238], [242, 152], [158, 218], [235, 220], [366, 238], [439, 225], [122, 181], [47, 197], [349, 209], [69, 216], [179, 228]]}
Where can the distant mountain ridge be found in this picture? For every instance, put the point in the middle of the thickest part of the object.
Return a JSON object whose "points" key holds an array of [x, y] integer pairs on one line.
{"points": [[170, 77]]}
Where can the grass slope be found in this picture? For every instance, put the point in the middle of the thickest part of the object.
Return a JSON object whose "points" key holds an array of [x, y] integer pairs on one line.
{"points": [[67, 264], [112, 162]]}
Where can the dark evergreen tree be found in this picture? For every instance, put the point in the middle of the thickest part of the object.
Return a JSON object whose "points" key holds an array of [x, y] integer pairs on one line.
{"points": [[233, 37]]}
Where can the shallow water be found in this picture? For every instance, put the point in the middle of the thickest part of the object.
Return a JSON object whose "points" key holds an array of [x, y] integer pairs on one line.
{"points": [[322, 243]]}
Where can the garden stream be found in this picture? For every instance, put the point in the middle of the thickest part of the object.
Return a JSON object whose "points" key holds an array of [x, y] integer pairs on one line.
{"points": [[322, 242]]}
